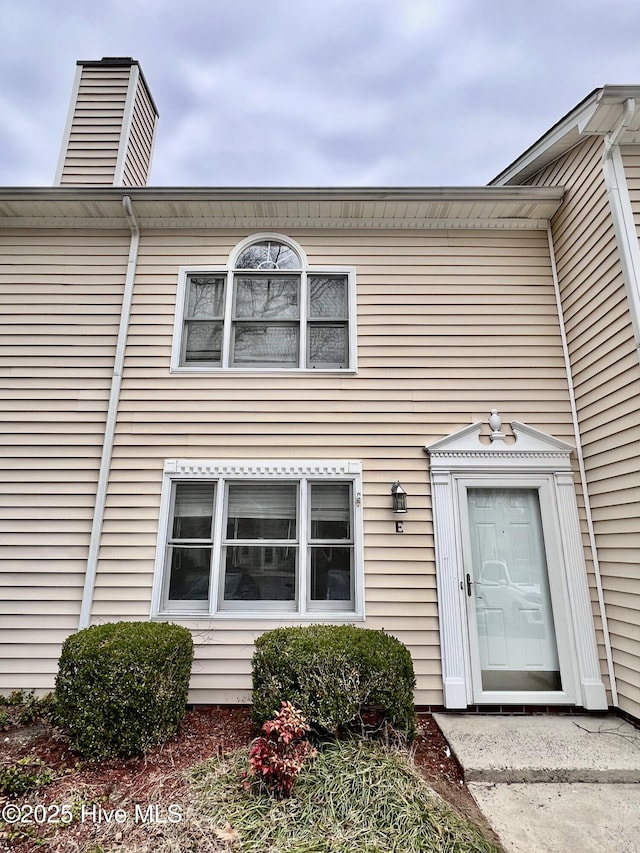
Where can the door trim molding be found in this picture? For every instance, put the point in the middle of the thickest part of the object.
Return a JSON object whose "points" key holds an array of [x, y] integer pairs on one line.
{"points": [[526, 451]]}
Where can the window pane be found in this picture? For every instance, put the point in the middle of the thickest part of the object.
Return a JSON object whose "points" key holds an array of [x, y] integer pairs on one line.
{"points": [[266, 298], [331, 511], [331, 573], [193, 510], [327, 345], [258, 573], [206, 297], [190, 569], [265, 345], [327, 298], [262, 511], [268, 254], [204, 342]]}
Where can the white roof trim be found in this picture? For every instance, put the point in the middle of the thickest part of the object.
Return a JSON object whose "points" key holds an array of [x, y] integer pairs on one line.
{"points": [[593, 116], [283, 209]]}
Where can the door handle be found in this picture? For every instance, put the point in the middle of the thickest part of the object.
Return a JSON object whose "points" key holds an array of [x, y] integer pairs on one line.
{"points": [[469, 582]]}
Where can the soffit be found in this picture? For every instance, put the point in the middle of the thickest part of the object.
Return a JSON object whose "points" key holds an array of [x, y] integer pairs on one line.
{"points": [[457, 207]]}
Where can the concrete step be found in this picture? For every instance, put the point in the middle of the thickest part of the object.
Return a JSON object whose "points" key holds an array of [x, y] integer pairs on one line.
{"points": [[543, 748]]}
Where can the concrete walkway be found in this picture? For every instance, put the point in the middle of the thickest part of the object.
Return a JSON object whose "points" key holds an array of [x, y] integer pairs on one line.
{"points": [[552, 783]]}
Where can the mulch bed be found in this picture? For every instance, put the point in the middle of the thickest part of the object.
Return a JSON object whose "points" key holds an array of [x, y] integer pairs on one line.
{"points": [[158, 777]]}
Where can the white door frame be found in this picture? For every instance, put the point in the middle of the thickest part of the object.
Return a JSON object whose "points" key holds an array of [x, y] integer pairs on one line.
{"points": [[496, 459]]}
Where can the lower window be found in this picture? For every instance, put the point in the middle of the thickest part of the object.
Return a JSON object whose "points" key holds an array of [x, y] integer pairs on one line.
{"points": [[263, 537]]}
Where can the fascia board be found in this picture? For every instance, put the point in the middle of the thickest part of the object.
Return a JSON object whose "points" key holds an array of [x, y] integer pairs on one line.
{"points": [[582, 121], [565, 133]]}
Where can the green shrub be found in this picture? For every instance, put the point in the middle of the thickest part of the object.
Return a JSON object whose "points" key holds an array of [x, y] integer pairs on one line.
{"points": [[28, 774], [24, 709], [339, 676], [122, 687]]}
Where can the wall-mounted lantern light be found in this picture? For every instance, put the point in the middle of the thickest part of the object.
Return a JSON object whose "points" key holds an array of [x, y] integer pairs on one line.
{"points": [[399, 497]]}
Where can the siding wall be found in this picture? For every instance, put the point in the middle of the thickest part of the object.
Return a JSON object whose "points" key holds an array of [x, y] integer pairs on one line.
{"points": [[102, 125], [607, 384], [451, 323], [61, 296], [138, 156], [94, 139]]}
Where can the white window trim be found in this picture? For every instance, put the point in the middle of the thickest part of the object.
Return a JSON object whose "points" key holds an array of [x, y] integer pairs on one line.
{"points": [[454, 461], [228, 271], [280, 469]]}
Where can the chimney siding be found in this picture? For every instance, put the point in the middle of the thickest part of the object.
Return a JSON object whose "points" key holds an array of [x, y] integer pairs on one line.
{"points": [[108, 139]]}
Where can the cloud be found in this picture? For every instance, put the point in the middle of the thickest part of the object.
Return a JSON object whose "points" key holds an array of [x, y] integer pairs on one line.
{"points": [[316, 92]]}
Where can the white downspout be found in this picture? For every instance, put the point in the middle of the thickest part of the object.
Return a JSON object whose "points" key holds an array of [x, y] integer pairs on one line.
{"points": [[622, 215], [110, 425], [583, 473]]}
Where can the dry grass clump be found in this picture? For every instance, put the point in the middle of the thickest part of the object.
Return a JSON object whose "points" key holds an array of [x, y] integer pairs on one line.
{"points": [[355, 795]]}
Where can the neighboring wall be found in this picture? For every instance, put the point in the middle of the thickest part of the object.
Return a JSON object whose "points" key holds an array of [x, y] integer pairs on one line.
{"points": [[60, 294], [451, 323], [606, 374]]}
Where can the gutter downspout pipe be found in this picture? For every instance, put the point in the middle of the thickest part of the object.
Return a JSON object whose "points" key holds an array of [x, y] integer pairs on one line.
{"points": [[622, 214], [583, 474], [110, 425]]}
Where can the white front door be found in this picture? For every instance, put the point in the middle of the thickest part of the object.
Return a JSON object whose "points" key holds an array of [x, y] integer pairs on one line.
{"points": [[515, 611], [513, 608]]}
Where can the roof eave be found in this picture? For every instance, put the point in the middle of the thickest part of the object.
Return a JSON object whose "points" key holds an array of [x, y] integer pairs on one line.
{"points": [[282, 208], [591, 117], [456, 193]]}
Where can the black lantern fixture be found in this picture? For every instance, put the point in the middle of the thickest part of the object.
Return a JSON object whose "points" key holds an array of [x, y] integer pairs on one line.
{"points": [[399, 497]]}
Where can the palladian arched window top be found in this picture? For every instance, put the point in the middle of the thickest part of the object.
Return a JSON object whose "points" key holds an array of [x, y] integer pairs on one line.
{"points": [[266, 310], [268, 255]]}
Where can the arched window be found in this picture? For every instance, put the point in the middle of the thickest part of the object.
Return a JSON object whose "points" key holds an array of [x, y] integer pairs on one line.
{"points": [[268, 255], [267, 310]]}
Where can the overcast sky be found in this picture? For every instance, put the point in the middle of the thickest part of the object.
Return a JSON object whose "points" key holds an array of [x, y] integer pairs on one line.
{"points": [[316, 92]]}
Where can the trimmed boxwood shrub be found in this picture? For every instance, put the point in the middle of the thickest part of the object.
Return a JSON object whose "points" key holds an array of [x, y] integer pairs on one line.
{"points": [[337, 675], [121, 688]]}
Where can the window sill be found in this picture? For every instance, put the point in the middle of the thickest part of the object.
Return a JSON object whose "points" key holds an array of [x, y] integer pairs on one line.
{"points": [[265, 371], [261, 615]]}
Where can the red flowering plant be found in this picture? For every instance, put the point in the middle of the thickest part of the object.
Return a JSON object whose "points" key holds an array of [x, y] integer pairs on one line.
{"points": [[279, 754]]}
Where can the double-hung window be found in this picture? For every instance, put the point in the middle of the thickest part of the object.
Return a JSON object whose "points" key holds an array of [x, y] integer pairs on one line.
{"points": [[270, 538], [267, 310]]}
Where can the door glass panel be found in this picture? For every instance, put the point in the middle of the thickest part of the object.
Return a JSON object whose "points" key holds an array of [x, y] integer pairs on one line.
{"points": [[510, 591]]}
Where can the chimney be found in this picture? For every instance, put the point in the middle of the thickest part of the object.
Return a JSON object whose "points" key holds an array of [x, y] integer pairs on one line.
{"points": [[108, 138]]}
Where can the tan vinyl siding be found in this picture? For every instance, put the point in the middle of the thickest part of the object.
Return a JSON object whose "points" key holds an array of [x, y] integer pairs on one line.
{"points": [[450, 324], [110, 137], [631, 161], [61, 295], [94, 139], [138, 156], [607, 384]]}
